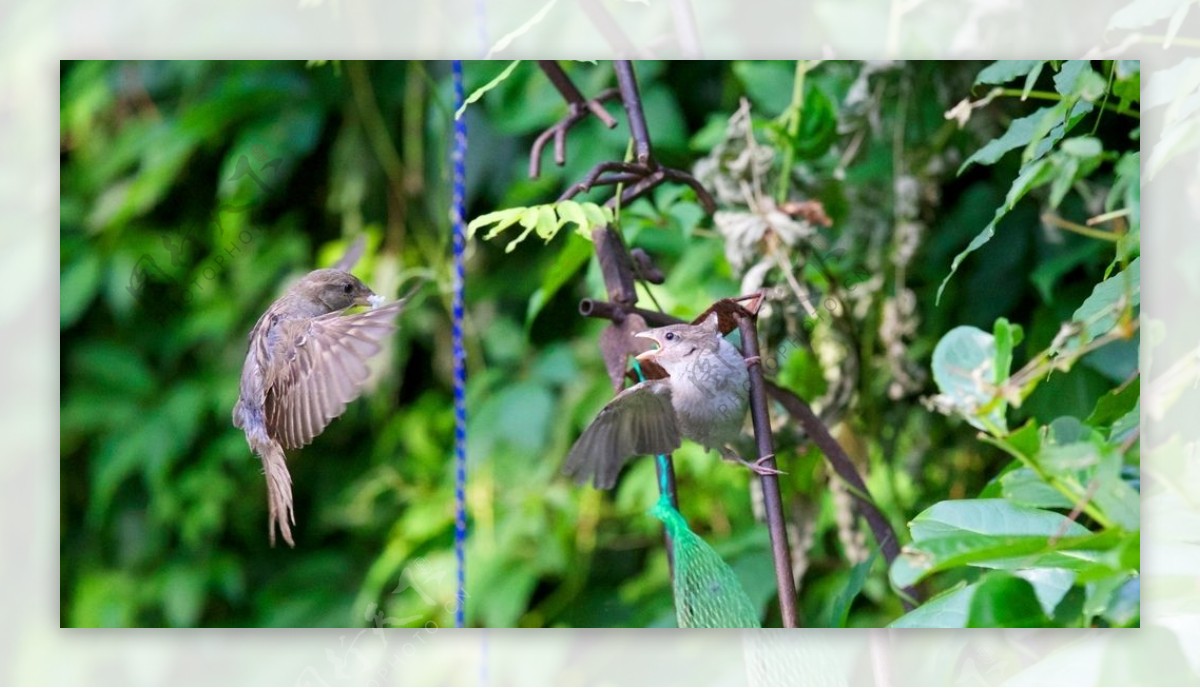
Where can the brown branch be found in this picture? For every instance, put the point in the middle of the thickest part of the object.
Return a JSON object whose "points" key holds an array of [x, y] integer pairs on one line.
{"points": [[781, 553], [578, 108]]}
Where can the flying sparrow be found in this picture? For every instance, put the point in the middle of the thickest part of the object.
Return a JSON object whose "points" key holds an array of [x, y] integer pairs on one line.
{"points": [[704, 399], [306, 362]]}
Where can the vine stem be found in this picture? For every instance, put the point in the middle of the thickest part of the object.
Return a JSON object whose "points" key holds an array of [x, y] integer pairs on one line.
{"points": [[1049, 95], [1065, 490], [792, 116]]}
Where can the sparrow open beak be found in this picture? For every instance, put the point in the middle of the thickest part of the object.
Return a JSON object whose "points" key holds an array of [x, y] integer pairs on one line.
{"points": [[652, 353]]}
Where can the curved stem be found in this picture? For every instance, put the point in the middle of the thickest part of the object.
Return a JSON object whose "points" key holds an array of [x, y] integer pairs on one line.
{"points": [[1050, 95]]}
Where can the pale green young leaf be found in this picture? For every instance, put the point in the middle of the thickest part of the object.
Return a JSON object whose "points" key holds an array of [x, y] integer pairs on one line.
{"points": [[479, 92], [529, 220]]}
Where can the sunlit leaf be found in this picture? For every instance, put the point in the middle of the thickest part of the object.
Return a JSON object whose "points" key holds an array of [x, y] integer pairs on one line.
{"points": [[1003, 71], [964, 368]]}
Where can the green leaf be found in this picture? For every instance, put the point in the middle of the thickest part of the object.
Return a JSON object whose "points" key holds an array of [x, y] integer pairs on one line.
{"points": [[1079, 454], [503, 219], [1019, 133], [993, 533], [818, 125], [1026, 440], [1003, 71], [1031, 79], [1125, 425], [288, 134], [77, 287], [989, 517], [1126, 193], [1006, 336], [570, 212], [964, 368], [1024, 487], [768, 83], [1123, 609], [840, 610], [546, 220], [1066, 170], [1033, 174], [521, 30], [1119, 501], [1012, 552], [1050, 585], [597, 216], [1003, 600], [1037, 132], [1054, 125], [1077, 79], [1082, 146], [479, 92], [1128, 84], [947, 610], [530, 219], [1103, 308]]}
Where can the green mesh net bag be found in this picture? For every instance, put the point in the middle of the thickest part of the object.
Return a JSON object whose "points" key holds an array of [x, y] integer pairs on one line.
{"points": [[707, 592]]}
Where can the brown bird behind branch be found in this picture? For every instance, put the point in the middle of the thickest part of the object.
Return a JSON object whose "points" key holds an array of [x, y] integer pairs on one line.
{"points": [[306, 362]]}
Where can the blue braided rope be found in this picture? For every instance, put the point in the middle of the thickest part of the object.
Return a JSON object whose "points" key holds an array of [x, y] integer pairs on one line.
{"points": [[458, 210]]}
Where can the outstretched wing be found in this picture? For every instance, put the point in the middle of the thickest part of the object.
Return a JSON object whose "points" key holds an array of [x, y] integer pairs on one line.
{"points": [[324, 369], [639, 420]]}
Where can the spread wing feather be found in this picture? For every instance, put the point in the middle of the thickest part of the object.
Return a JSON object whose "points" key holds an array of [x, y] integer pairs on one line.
{"points": [[640, 420], [325, 370]]}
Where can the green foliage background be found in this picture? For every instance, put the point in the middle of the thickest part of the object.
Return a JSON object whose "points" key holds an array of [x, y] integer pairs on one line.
{"points": [[877, 145], [191, 193]]}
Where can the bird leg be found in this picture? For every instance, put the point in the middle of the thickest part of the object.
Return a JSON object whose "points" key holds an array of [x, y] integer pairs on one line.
{"points": [[758, 466]]}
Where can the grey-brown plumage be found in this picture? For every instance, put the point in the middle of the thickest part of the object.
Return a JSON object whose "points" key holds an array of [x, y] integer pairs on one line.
{"points": [[704, 399], [306, 361]]}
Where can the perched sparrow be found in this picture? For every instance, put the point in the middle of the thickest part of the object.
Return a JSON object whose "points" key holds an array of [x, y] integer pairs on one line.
{"points": [[307, 360], [704, 399]]}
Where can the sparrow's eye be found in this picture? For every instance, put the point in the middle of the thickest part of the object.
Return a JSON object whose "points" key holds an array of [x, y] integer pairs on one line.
{"points": [[348, 287], [670, 336]]}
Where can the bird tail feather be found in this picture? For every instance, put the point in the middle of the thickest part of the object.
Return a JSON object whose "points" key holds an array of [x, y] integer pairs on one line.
{"points": [[279, 493]]}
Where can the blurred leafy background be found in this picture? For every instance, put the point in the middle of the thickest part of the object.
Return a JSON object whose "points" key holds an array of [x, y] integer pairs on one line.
{"points": [[856, 182], [191, 192]]}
